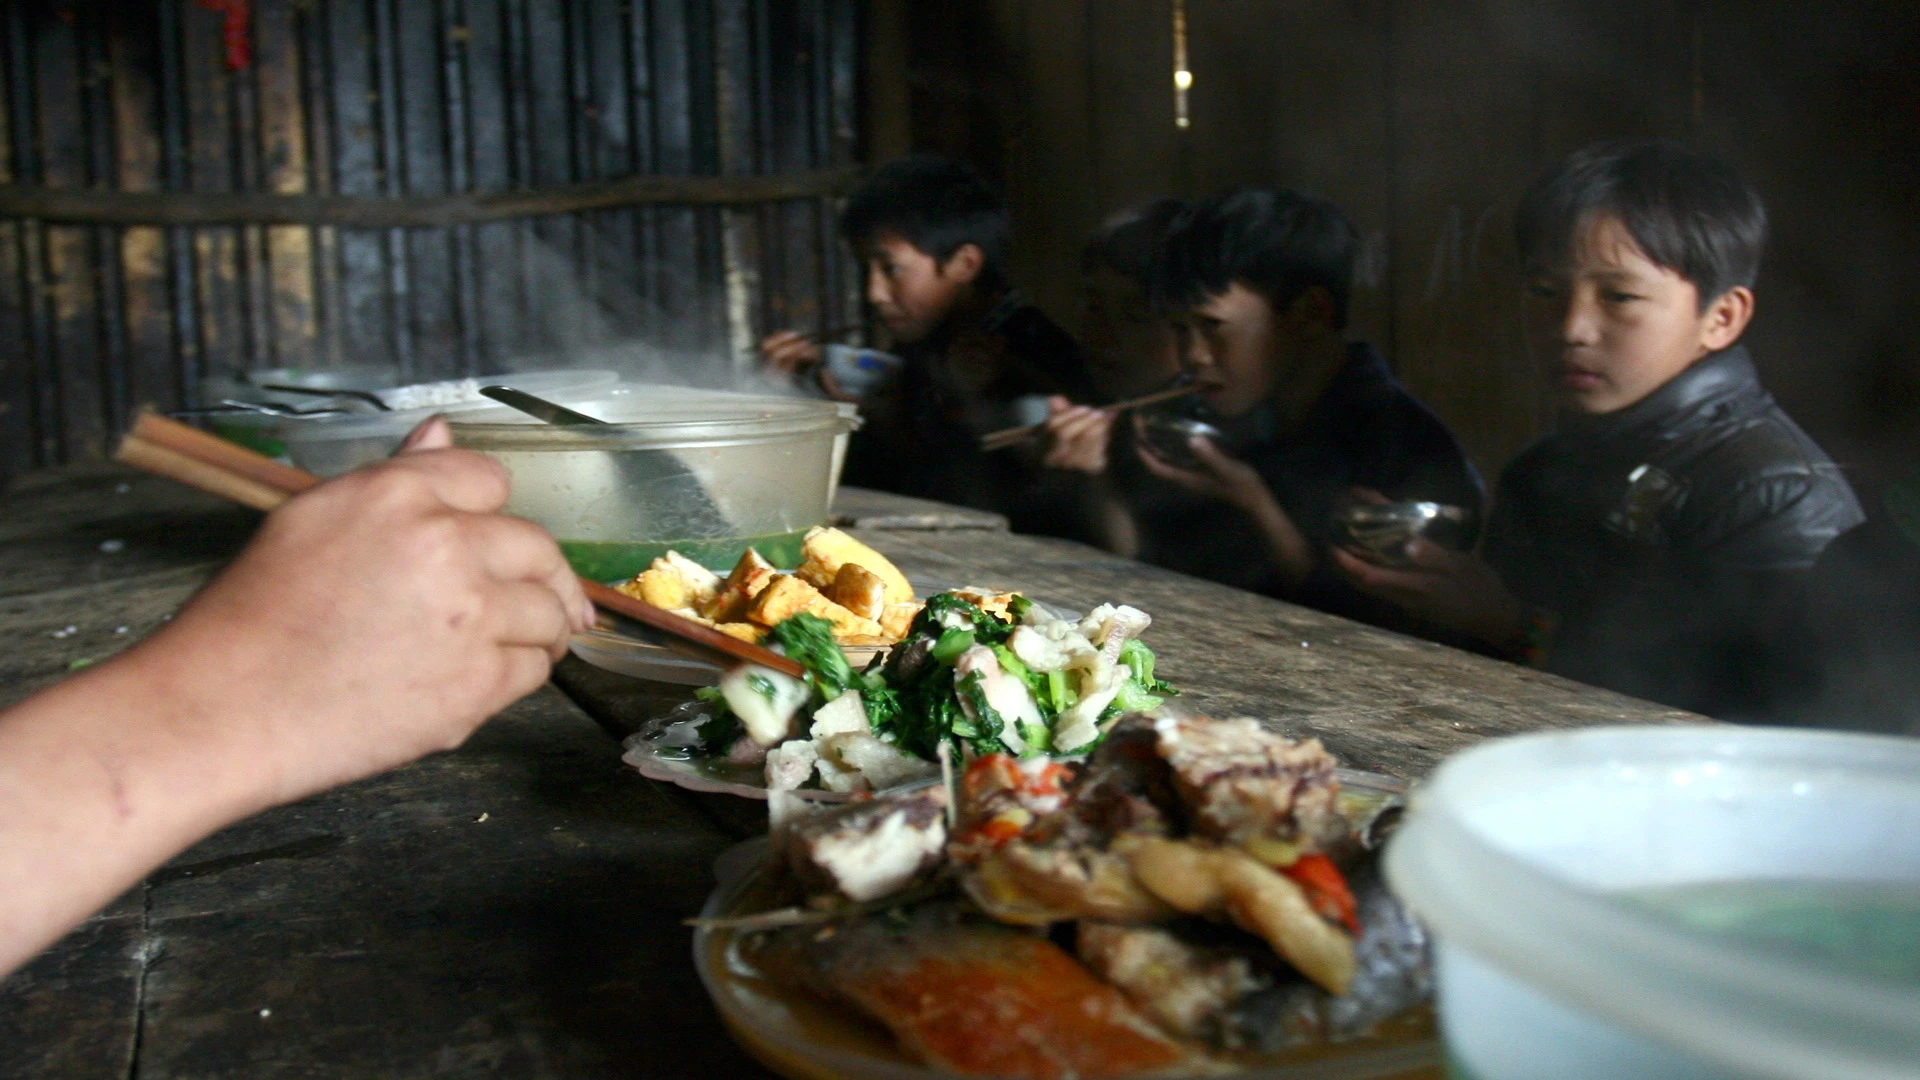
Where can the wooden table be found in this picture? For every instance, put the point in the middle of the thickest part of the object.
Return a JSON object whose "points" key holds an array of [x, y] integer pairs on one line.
{"points": [[513, 908]]}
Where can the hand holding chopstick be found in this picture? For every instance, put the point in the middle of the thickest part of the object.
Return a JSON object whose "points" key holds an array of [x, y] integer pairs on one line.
{"points": [[1014, 436], [197, 459]]}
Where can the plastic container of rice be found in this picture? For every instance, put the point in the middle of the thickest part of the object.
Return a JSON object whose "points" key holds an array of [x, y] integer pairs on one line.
{"points": [[329, 446], [1663, 903], [704, 473]]}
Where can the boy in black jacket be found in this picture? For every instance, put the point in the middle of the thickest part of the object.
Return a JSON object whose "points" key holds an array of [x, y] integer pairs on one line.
{"points": [[1257, 283], [977, 357], [1642, 546]]}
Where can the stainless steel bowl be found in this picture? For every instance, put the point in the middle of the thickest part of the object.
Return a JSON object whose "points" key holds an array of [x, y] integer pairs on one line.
{"points": [[1167, 435], [1381, 531]]}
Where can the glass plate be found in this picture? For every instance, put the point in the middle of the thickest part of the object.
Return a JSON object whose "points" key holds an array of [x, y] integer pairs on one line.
{"points": [[804, 1037]]}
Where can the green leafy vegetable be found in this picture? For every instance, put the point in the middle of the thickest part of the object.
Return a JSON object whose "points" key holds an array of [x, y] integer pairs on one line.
{"points": [[1060, 692], [931, 620], [952, 643], [883, 708], [808, 639], [988, 723], [1139, 660], [719, 731]]}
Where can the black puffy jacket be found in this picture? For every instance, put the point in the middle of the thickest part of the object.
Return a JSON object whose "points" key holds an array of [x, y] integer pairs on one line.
{"points": [[1664, 536]]}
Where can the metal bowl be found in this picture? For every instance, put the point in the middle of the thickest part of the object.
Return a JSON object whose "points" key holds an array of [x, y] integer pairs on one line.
{"points": [[1167, 435], [1381, 532]]}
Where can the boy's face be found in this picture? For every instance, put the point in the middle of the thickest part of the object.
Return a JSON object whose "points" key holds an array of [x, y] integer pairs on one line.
{"points": [[1613, 326], [911, 291], [1130, 349], [1229, 343]]}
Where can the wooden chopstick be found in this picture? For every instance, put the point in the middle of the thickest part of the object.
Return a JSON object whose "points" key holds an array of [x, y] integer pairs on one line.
{"points": [[1013, 436], [171, 449]]}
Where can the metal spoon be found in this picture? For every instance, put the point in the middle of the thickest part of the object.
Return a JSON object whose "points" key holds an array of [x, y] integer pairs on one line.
{"points": [[635, 468]]}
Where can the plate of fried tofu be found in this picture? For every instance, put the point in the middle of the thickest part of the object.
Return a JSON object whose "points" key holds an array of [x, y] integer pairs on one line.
{"points": [[867, 599]]}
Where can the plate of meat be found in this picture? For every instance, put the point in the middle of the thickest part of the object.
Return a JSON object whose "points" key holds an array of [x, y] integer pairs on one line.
{"points": [[1198, 898]]}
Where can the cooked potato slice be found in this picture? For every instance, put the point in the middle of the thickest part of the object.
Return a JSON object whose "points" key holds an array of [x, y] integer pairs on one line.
{"points": [[673, 581], [827, 550], [788, 596], [750, 575], [742, 630], [1210, 881], [858, 590]]}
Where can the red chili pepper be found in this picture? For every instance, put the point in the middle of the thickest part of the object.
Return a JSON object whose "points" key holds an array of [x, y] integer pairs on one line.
{"points": [[998, 831], [1326, 889]]}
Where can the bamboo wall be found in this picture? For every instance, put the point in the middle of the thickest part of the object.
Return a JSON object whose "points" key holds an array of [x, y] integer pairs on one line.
{"points": [[399, 99]]}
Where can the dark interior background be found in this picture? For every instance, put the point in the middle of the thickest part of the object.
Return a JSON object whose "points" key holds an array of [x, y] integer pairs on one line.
{"points": [[1425, 118]]}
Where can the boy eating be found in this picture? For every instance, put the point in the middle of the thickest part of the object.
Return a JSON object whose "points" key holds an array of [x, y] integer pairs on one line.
{"points": [[977, 357], [1641, 545], [1257, 285]]}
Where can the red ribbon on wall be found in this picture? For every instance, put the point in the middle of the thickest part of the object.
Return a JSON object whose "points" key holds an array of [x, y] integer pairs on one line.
{"points": [[234, 31]]}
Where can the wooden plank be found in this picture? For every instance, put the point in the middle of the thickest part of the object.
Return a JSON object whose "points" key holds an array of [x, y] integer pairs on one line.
{"points": [[153, 369], [419, 40], [283, 156], [553, 259], [742, 238], [76, 412], [454, 88], [366, 302], [492, 164], [383, 52], [74, 1011], [316, 105], [217, 283], [602, 36], [682, 88], [19, 299], [505, 908]]}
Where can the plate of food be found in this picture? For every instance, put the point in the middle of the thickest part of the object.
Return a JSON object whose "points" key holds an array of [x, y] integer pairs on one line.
{"points": [[977, 672], [1196, 898], [868, 601]]}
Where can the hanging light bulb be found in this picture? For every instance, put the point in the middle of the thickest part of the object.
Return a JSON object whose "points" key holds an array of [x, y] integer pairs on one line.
{"points": [[1182, 75]]}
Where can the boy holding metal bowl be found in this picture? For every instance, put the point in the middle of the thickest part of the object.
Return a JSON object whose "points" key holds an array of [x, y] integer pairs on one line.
{"points": [[1641, 546], [1256, 283]]}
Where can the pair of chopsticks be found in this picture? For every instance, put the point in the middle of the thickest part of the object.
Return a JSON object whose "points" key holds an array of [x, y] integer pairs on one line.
{"points": [[171, 449], [1014, 436]]}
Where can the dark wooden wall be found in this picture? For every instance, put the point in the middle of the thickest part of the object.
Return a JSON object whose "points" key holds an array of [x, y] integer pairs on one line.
{"points": [[1426, 119], [402, 98]]}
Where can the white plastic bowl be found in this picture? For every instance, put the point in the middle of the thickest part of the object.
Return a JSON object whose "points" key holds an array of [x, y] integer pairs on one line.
{"points": [[1517, 854]]}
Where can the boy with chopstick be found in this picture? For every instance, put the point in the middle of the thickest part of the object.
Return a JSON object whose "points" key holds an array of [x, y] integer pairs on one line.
{"points": [[1644, 545], [1256, 283], [977, 357]]}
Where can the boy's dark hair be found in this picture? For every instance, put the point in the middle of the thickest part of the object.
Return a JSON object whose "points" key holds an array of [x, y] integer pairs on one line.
{"points": [[1689, 212], [936, 204], [1130, 241], [1277, 243]]}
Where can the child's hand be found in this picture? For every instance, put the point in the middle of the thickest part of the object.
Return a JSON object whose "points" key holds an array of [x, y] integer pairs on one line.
{"points": [[1447, 588], [1221, 477], [1080, 435], [789, 352]]}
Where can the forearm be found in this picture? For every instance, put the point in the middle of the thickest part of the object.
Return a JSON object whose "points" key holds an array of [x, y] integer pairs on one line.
{"points": [[102, 778], [1287, 547]]}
